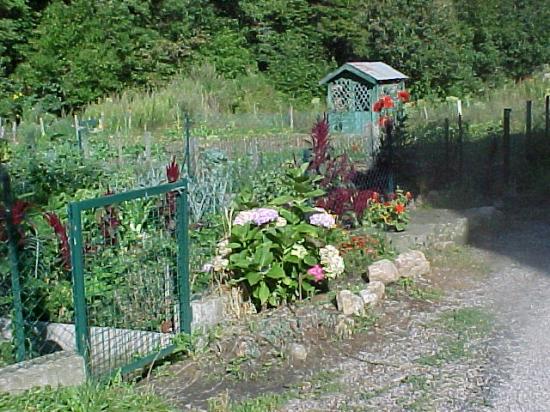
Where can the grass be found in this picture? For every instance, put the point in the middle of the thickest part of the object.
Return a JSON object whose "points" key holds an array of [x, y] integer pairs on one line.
{"points": [[85, 398], [414, 291], [269, 402], [462, 326]]}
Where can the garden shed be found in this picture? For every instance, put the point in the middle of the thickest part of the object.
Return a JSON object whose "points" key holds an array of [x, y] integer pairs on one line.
{"points": [[352, 90]]}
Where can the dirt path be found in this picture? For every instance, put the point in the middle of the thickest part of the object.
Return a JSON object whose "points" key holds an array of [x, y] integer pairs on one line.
{"points": [[482, 346]]}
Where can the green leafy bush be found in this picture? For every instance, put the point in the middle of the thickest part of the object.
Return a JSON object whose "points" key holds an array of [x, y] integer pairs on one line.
{"points": [[281, 252]]}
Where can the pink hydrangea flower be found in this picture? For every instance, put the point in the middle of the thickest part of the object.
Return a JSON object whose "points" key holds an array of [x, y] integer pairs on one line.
{"points": [[317, 272]]}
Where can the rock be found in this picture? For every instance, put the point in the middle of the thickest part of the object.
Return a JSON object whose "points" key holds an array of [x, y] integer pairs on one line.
{"points": [[297, 352], [349, 303], [377, 288], [444, 245], [483, 217], [433, 197], [412, 264], [369, 298], [245, 348], [344, 327], [5, 329], [383, 271], [207, 312]]}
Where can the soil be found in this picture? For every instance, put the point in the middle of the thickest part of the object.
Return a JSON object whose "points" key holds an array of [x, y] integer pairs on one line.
{"points": [[471, 336]]}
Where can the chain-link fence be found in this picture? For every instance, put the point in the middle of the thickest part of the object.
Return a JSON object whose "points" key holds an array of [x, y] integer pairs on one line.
{"points": [[115, 287], [131, 280]]}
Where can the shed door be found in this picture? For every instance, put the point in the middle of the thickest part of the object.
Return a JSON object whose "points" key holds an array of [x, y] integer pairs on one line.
{"points": [[350, 106]]}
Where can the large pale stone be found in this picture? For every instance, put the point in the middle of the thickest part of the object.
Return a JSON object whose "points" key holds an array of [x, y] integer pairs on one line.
{"points": [[377, 288], [349, 303], [412, 264], [297, 352], [369, 298], [62, 368], [383, 271]]}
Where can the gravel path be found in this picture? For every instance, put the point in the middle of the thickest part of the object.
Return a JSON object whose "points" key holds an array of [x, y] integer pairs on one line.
{"points": [[420, 366], [520, 291]]}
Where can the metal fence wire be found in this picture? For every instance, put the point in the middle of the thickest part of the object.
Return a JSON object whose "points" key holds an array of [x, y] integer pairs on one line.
{"points": [[36, 307], [131, 282]]}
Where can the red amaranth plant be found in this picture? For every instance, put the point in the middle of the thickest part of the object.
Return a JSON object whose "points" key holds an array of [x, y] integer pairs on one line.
{"points": [[173, 171], [61, 232], [319, 144], [18, 215], [173, 175], [109, 222]]}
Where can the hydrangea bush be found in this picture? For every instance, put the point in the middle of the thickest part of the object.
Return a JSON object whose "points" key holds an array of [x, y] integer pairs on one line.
{"points": [[283, 251]]}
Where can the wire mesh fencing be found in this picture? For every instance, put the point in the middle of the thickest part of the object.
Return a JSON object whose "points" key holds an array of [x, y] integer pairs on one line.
{"points": [[131, 281], [36, 306]]}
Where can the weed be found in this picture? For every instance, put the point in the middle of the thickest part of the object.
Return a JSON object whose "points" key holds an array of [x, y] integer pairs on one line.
{"points": [[465, 324], [268, 402], [113, 397]]}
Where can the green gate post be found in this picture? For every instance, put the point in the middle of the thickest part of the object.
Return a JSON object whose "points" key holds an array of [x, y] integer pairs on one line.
{"points": [[182, 225], [19, 324], [79, 292]]}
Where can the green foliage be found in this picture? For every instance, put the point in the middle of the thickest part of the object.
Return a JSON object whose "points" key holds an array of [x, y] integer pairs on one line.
{"points": [[360, 249], [90, 398], [271, 260], [63, 55], [390, 213]]}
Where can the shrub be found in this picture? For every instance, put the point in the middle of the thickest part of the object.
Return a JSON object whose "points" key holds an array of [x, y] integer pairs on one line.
{"points": [[282, 252]]}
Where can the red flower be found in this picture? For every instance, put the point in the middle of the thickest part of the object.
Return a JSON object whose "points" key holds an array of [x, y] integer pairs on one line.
{"points": [[404, 96], [378, 106], [173, 171], [399, 208], [375, 197], [59, 229], [387, 101]]}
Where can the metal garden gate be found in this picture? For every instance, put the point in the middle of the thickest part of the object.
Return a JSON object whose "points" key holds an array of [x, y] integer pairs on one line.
{"points": [[130, 264]]}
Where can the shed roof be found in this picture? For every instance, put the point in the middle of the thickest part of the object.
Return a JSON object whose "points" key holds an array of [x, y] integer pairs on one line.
{"points": [[369, 71]]}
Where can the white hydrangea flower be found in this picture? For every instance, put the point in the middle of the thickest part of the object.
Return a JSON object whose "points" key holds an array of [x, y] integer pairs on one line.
{"points": [[281, 222], [223, 249], [219, 263], [299, 251], [332, 262]]}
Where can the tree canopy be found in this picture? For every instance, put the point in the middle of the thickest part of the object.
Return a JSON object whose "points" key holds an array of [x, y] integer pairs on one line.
{"points": [[64, 54]]}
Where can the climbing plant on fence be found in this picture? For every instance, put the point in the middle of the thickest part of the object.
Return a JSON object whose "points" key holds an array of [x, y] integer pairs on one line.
{"points": [[130, 265]]}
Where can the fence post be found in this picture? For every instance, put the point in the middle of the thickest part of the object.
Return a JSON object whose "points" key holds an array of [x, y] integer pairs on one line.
{"points": [[188, 145], [528, 129], [447, 146], [460, 146], [182, 224], [547, 116], [79, 289], [18, 322], [506, 147], [389, 135], [78, 134]]}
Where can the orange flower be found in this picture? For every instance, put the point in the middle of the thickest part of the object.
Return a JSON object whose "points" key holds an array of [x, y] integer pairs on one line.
{"points": [[399, 208], [387, 102], [404, 96]]}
